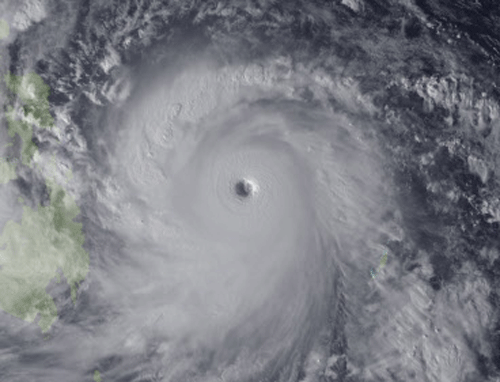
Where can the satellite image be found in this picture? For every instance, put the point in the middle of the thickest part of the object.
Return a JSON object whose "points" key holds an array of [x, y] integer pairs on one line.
{"points": [[249, 191]]}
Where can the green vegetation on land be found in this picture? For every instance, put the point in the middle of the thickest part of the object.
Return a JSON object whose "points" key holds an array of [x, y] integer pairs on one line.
{"points": [[34, 94], [97, 376], [47, 240], [4, 29], [7, 171]]}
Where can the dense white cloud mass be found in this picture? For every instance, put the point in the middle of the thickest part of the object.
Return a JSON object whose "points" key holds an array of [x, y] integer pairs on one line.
{"points": [[269, 191], [245, 273]]}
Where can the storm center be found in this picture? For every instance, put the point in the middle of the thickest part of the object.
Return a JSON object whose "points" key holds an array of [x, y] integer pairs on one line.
{"points": [[245, 188]]}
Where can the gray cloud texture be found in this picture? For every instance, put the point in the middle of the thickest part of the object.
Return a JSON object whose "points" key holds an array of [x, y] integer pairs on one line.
{"points": [[248, 279]]}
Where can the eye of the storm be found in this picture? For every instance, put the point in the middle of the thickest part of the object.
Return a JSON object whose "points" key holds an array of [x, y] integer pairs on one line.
{"points": [[245, 188]]}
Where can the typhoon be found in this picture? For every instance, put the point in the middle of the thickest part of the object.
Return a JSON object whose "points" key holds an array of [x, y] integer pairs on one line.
{"points": [[249, 191], [237, 221]]}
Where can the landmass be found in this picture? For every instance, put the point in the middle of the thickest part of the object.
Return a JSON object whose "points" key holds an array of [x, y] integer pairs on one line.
{"points": [[33, 93], [47, 242], [7, 171], [4, 29], [383, 261]]}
